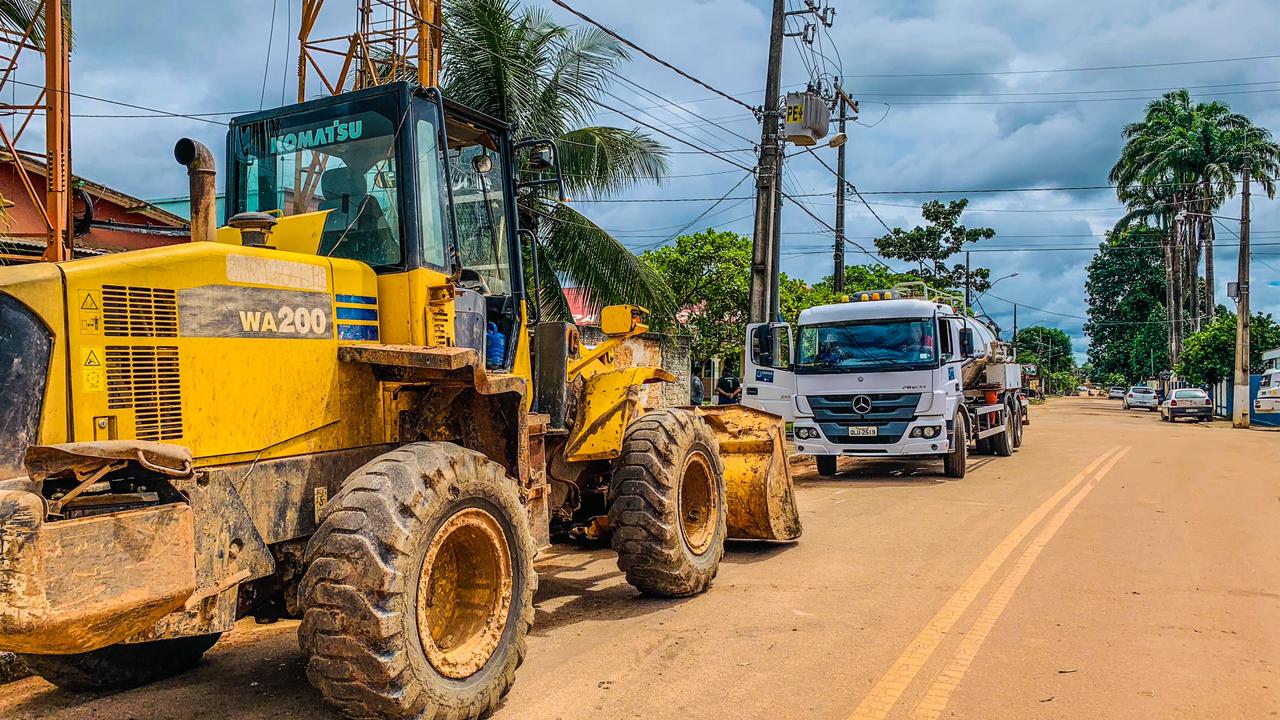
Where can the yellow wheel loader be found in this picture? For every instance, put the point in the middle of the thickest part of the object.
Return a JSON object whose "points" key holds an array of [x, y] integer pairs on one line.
{"points": [[343, 408]]}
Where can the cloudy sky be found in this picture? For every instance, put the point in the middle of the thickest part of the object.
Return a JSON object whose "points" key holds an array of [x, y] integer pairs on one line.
{"points": [[951, 92]]}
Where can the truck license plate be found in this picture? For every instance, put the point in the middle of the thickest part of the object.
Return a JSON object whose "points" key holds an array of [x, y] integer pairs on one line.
{"points": [[865, 431]]}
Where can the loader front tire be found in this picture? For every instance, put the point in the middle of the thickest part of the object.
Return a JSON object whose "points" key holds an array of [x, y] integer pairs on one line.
{"points": [[668, 511], [122, 666], [418, 592]]}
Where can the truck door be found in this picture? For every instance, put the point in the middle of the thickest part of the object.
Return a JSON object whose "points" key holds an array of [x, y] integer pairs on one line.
{"points": [[768, 382]]}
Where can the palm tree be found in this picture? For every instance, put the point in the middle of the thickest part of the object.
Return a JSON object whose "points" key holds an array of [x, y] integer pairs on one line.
{"points": [[1194, 150], [1152, 205], [521, 66]]}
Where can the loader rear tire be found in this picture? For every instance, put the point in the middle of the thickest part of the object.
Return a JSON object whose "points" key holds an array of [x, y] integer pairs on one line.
{"points": [[826, 465], [956, 462], [122, 666], [668, 511], [418, 592]]}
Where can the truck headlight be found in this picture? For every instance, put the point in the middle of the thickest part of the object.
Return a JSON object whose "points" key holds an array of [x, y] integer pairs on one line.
{"points": [[806, 433], [926, 431]]}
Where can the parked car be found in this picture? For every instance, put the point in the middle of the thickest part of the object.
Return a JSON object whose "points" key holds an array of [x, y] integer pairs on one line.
{"points": [[1115, 393], [1187, 402], [1141, 396], [1268, 400]]}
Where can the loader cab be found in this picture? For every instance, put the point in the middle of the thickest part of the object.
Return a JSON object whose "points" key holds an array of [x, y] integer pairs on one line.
{"points": [[413, 185]]}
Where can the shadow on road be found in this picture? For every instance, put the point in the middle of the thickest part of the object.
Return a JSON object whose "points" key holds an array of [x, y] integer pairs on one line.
{"points": [[577, 585]]}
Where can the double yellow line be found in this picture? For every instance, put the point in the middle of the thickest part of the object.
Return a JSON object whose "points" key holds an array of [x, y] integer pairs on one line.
{"points": [[884, 697]]}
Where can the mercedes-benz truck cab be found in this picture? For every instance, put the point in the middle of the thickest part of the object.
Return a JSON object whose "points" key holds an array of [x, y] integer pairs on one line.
{"points": [[881, 376]]}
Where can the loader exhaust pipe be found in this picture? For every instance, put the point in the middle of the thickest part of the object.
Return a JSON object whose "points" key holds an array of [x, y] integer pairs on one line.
{"points": [[201, 174]]}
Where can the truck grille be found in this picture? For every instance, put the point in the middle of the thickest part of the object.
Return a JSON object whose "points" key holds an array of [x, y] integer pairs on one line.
{"points": [[139, 312], [890, 412], [145, 379]]}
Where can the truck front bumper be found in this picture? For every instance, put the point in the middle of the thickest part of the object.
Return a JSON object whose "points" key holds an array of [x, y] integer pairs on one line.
{"points": [[866, 447], [1266, 405], [76, 585]]}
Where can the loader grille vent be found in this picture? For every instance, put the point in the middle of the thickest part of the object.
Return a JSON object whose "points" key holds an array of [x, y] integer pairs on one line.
{"points": [[145, 379], [139, 312]]}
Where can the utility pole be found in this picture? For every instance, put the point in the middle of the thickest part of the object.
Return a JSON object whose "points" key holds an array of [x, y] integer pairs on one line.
{"points": [[838, 255], [1240, 411], [775, 245], [762, 257], [1015, 330], [968, 289]]}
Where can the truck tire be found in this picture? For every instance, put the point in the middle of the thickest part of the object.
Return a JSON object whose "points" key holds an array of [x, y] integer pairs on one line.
{"points": [[418, 592], [956, 462], [121, 666], [826, 465], [668, 509], [1016, 410], [1002, 443]]}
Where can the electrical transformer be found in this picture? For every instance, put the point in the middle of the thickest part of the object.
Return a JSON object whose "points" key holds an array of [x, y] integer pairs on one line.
{"points": [[807, 118]]}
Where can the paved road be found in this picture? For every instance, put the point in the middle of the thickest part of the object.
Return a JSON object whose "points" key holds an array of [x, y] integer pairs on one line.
{"points": [[1115, 567]]}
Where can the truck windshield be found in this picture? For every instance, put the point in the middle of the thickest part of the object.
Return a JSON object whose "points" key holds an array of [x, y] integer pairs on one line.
{"points": [[341, 158], [877, 345]]}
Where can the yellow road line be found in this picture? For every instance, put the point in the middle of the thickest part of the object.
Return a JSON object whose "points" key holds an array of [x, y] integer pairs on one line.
{"points": [[884, 696], [938, 695]]}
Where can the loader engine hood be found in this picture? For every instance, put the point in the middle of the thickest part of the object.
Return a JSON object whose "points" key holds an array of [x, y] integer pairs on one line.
{"points": [[26, 347]]}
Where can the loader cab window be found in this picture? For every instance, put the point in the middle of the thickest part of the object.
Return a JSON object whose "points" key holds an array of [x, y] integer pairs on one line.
{"points": [[478, 173], [341, 158]]}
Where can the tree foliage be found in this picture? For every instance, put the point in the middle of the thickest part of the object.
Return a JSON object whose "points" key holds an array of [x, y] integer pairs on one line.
{"points": [[1124, 287], [1051, 346], [1209, 355], [929, 247], [709, 276]]}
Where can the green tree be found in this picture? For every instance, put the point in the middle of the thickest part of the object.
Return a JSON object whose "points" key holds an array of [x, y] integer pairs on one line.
{"points": [[17, 15], [1209, 355], [1125, 283], [521, 66], [709, 274], [1051, 345], [929, 247], [1148, 348]]}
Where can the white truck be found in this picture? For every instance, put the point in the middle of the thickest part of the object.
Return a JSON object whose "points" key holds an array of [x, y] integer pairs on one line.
{"points": [[891, 373]]}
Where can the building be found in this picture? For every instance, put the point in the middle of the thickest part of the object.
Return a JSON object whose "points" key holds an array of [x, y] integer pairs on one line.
{"points": [[106, 220]]}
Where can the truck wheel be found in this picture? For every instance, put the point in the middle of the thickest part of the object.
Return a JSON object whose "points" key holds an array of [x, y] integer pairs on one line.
{"points": [[418, 592], [955, 462], [1002, 443], [826, 465], [1016, 413], [668, 511], [122, 666]]}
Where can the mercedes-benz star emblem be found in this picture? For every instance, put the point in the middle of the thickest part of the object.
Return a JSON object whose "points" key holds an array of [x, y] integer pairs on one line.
{"points": [[862, 404]]}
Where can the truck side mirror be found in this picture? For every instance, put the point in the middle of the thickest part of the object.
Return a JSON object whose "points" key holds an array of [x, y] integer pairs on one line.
{"points": [[966, 342]]}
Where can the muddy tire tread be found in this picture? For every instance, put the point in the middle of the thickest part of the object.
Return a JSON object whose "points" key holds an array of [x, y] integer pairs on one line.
{"points": [[120, 667], [643, 515], [356, 591]]}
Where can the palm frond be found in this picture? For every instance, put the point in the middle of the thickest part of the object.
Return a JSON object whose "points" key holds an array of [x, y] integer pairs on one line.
{"points": [[606, 270], [606, 160]]}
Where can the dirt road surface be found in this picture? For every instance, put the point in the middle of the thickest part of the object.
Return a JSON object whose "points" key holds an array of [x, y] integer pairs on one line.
{"points": [[1114, 567]]}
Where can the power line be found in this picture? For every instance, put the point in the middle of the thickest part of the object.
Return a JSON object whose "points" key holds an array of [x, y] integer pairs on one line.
{"points": [[1064, 70], [702, 214], [125, 104], [653, 57], [865, 93], [1075, 100]]}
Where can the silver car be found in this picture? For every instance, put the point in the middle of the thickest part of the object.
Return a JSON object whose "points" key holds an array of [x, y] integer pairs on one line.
{"points": [[1141, 396]]}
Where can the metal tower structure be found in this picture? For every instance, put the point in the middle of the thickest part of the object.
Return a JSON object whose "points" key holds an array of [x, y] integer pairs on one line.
{"points": [[53, 100], [393, 40]]}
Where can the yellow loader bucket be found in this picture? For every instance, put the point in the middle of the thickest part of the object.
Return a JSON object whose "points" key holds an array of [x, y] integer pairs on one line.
{"points": [[757, 475]]}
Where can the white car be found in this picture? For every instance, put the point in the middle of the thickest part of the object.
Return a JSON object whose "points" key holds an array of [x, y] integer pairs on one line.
{"points": [[1268, 400], [1187, 402], [1141, 396], [1115, 393]]}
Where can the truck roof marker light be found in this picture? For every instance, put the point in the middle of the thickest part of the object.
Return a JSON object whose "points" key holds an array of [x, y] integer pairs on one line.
{"points": [[865, 297], [888, 295], [875, 296], [844, 298]]}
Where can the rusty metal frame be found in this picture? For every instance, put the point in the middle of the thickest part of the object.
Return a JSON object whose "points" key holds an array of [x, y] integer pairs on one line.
{"points": [[54, 101]]}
